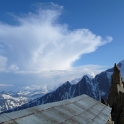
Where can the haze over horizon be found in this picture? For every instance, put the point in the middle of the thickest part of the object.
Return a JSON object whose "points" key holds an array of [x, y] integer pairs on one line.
{"points": [[44, 43]]}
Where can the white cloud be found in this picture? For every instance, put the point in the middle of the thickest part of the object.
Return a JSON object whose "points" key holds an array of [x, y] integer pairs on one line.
{"points": [[74, 72], [39, 43], [14, 67], [44, 88]]}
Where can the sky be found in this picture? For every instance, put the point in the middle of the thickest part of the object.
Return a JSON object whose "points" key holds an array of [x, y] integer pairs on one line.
{"points": [[44, 43]]}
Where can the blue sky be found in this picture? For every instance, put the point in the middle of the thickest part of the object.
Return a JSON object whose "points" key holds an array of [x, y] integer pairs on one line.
{"points": [[48, 42]]}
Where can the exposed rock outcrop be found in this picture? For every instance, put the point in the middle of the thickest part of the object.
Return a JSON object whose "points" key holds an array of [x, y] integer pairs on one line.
{"points": [[116, 97]]}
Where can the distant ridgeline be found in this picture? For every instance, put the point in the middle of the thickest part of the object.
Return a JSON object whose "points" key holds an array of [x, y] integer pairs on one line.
{"points": [[116, 97]]}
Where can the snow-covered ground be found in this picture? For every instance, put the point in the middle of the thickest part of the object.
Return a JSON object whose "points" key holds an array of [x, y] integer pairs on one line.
{"points": [[9, 100]]}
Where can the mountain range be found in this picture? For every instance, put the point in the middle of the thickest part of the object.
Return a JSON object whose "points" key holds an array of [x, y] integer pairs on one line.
{"points": [[97, 88], [10, 100]]}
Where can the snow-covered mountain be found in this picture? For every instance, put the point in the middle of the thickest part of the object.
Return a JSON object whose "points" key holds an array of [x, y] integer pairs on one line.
{"points": [[10, 100], [96, 88]]}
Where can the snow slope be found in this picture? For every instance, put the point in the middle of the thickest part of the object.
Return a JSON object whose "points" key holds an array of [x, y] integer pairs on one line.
{"points": [[10, 100]]}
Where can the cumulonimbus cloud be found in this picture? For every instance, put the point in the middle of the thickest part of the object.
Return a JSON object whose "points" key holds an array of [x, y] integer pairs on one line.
{"points": [[40, 43]]}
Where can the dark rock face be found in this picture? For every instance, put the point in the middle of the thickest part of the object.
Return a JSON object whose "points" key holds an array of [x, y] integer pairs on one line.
{"points": [[103, 84], [116, 97]]}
